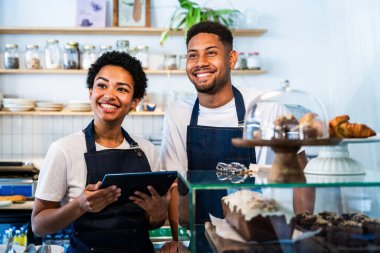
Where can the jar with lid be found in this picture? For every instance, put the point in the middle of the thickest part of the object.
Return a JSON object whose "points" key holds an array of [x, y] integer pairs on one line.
{"points": [[143, 56], [88, 56], [254, 61], [182, 60], [241, 63], [70, 56], [122, 46], [104, 48], [52, 54], [170, 61], [11, 57], [32, 57]]}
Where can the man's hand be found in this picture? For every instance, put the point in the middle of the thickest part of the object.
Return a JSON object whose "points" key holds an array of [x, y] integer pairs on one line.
{"points": [[155, 206], [93, 199]]}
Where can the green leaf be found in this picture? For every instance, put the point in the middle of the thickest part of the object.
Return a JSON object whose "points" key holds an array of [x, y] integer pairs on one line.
{"points": [[197, 15], [187, 4], [164, 37], [190, 13]]}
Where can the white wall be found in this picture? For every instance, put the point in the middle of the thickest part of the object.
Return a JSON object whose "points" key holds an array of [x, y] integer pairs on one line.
{"points": [[329, 48]]}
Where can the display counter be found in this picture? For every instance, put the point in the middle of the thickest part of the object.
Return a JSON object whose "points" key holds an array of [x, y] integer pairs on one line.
{"points": [[343, 196]]}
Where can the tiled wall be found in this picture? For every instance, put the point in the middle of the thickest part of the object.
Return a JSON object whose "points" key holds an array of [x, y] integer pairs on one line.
{"points": [[30, 136]]}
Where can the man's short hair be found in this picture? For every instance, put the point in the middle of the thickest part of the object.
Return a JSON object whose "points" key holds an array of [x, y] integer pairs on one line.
{"points": [[223, 33]]}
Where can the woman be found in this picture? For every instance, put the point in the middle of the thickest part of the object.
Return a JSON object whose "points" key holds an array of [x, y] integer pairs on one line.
{"points": [[68, 188]]}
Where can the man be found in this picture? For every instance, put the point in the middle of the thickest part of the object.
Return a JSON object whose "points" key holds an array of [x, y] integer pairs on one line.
{"points": [[197, 132]]}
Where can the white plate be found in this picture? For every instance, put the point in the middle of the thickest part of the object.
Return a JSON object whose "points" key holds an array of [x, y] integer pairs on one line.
{"points": [[19, 108], [54, 248], [5, 203], [375, 138], [17, 248], [48, 104], [79, 109], [19, 101], [48, 109]]}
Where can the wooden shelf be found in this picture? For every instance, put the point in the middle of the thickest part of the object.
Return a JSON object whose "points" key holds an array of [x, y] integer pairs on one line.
{"points": [[111, 31], [70, 113], [83, 72]]}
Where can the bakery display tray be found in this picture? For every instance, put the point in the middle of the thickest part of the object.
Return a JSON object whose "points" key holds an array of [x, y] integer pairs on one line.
{"points": [[312, 244]]}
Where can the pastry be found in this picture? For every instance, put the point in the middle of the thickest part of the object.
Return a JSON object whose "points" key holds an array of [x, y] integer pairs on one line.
{"points": [[310, 126], [286, 127], [339, 127], [256, 218]]}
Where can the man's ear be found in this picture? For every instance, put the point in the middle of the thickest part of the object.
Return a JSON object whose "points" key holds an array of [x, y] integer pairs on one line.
{"points": [[135, 102], [90, 93], [233, 59]]}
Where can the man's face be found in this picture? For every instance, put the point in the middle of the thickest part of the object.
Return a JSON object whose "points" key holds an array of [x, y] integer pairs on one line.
{"points": [[209, 63]]}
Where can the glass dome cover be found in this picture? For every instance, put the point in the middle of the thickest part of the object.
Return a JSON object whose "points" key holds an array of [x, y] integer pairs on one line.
{"points": [[300, 116]]}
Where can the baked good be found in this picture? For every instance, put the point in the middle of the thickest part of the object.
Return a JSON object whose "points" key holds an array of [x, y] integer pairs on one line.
{"points": [[348, 229], [286, 127], [372, 227], [256, 218], [310, 126], [15, 198], [339, 127]]}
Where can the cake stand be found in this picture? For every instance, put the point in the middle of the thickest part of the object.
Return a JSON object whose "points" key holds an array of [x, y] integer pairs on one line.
{"points": [[336, 160], [285, 167]]}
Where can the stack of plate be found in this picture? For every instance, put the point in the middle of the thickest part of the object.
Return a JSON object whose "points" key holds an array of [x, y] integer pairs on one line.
{"points": [[48, 106], [18, 104], [79, 106]]}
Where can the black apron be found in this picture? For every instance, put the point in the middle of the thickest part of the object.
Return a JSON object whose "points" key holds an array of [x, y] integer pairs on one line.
{"points": [[118, 227], [206, 146]]}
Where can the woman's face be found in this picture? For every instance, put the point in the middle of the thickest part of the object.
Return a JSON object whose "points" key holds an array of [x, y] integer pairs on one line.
{"points": [[112, 94]]}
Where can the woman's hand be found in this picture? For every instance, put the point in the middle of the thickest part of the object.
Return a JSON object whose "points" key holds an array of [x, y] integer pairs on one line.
{"points": [[93, 199], [155, 206], [173, 247]]}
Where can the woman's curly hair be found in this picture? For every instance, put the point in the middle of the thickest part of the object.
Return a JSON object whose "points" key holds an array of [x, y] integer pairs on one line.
{"points": [[126, 61]]}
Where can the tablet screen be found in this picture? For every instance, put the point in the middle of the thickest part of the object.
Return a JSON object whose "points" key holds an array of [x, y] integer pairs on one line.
{"points": [[131, 182]]}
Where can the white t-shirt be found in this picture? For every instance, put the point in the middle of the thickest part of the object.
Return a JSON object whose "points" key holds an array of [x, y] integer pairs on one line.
{"points": [[173, 154], [64, 171]]}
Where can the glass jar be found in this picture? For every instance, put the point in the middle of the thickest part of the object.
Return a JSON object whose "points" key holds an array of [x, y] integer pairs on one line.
{"points": [[52, 54], [254, 61], [143, 56], [104, 48], [170, 62], [182, 60], [70, 57], [122, 46], [241, 62], [32, 57], [88, 56], [11, 57]]}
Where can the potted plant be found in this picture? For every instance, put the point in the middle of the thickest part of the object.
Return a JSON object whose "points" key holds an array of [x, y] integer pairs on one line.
{"points": [[190, 13]]}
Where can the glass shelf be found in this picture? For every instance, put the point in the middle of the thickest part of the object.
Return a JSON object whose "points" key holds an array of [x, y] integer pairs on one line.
{"points": [[208, 180], [339, 194]]}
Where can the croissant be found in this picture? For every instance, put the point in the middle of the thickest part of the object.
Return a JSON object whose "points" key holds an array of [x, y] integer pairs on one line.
{"points": [[339, 127]]}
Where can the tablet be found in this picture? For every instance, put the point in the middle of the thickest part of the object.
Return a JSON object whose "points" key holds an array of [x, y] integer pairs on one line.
{"points": [[139, 181]]}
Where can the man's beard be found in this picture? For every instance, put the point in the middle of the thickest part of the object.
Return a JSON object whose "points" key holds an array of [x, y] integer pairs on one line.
{"points": [[206, 89]]}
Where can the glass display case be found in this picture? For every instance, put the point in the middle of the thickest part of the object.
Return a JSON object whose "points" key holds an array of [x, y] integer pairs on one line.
{"points": [[325, 214]]}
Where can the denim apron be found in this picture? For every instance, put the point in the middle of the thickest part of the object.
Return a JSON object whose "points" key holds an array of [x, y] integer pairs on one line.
{"points": [[118, 227], [206, 146]]}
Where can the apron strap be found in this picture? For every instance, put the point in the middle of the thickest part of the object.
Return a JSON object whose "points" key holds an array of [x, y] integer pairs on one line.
{"points": [[129, 139], [239, 106], [90, 138]]}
